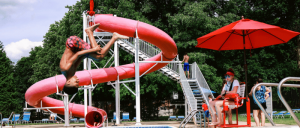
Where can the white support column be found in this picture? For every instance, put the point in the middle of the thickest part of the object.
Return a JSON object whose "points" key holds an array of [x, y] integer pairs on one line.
{"points": [[137, 83], [117, 85], [186, 109], [85, 65], [66, 103], [90, 89], [85, 92]]}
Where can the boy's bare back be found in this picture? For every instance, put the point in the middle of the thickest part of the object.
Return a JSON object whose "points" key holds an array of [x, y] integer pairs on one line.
{"points": [[186, 58]]}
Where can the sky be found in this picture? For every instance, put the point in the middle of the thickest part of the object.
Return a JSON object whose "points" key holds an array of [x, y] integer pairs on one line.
{"points": [[23, 23]]}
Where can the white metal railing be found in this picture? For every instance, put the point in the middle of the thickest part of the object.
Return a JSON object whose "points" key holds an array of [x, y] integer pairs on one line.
{"points": [[150, 50], [203, 86], [279, 85], [145, 48], [188, 93], [188, 118]]}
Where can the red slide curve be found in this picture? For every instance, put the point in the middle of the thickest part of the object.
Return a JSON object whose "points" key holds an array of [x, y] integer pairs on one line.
{"points": [[40, 90]]}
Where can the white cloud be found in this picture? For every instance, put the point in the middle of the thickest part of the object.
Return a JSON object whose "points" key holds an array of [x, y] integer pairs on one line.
{"points": [[17, 50], [11, 7]]}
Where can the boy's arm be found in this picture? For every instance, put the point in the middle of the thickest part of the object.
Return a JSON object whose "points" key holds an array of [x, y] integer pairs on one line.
{"points": [[78, 61], [183, 59], [75, 57]]}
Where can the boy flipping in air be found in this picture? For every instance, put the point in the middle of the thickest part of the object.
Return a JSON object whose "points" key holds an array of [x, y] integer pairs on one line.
{"points": [[76, 50]]}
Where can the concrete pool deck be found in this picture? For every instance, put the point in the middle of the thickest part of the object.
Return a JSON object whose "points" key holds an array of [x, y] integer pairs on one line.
{"points": [[125, 124]]}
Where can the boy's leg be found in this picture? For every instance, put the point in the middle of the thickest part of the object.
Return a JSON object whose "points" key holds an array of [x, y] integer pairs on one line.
{"points": [[89, 31], [116, 36]]}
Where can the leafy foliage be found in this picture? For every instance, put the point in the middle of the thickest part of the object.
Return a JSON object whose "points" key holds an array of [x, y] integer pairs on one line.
{"points": [[9, 96]]}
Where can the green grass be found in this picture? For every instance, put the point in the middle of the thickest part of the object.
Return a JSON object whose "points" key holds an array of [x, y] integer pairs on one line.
{"points": [[287, 120]]}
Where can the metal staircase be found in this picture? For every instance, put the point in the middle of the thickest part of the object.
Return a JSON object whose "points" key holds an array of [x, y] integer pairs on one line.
{"points": [[146, 51], [195, 90]]}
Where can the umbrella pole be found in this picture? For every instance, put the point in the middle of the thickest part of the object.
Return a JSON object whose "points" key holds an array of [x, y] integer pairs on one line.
{"points": [[245, 67]]}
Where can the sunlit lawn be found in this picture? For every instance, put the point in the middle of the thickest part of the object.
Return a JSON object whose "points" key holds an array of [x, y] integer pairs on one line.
{"points": [[287, 120]]}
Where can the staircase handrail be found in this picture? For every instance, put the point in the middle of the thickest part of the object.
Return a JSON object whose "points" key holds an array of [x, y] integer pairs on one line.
{"points": [[187, 90], [188, 118], [150, 51], [202, 84]]}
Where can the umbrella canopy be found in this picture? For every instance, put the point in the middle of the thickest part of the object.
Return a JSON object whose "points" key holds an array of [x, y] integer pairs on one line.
{"points": [[256, 35], [245, 34]]}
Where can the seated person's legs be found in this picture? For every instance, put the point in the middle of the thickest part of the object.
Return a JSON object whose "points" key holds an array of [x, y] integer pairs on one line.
{"points": [[229, 113], [218, 105], [213, 111]]}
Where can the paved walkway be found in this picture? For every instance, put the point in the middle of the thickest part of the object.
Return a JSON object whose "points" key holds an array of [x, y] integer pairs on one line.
{"points": [[169, 123]]}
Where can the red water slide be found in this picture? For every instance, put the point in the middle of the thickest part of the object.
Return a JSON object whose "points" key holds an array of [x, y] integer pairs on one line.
{"points": [[40, 90]]}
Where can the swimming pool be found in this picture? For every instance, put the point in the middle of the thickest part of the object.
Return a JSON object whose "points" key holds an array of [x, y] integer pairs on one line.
{"points": [[145, 126]]}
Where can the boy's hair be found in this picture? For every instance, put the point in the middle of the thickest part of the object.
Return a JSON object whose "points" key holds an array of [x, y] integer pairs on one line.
{"points": [[259, 80], [209, 96], [185, 53], [70, 90]]}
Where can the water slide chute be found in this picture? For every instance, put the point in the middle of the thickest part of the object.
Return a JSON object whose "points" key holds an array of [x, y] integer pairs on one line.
{"points": [[39, 91]]}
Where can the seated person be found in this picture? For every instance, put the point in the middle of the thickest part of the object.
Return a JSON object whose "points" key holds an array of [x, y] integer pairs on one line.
{"points": [[232, 86], [96, 120], [76, 50]]}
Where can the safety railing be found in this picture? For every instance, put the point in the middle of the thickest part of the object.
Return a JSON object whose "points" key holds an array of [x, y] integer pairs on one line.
{"points": [[12, 114], [279, 85], [187, 90], [146, 48], [188, 118], [150, 50], [203, 86], [191, 72]]}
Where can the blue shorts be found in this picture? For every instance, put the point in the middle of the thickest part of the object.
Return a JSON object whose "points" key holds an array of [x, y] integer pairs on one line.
{"points": [[207, 113], [89, 56], [186, 67]]}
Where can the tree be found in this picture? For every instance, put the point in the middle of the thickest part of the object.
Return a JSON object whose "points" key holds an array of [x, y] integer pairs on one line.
{"points": [[23, 71], [9, 100]]}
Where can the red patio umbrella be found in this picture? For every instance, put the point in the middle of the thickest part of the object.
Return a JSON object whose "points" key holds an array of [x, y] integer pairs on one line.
{"points": [[245, 34]]}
